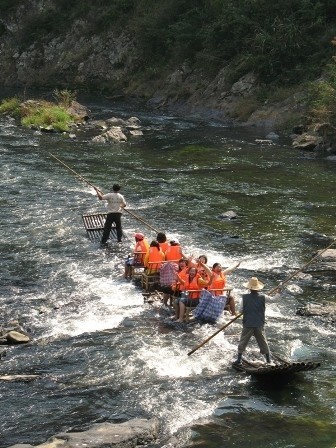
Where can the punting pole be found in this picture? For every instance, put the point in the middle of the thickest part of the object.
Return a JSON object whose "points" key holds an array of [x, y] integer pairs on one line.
{"points": [[271, 292], [141, 220], [97, 189], [74, 172]]}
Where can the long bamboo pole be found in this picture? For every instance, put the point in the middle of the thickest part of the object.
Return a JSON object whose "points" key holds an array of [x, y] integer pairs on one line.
{"points": [[271, 292], [141, 220], [97, 189], [74, 172]]}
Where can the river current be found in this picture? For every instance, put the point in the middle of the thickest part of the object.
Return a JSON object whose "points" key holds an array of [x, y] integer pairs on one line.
{"points": [[101, 353]]}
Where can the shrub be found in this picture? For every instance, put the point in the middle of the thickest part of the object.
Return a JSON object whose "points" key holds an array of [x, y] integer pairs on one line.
{"points": [[64, 97], [10, 106], [322, 95]]}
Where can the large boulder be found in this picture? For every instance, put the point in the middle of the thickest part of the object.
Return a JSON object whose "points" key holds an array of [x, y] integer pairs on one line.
{"points": [[78, 111], [307, 142], [14, 337], [114, 135]]}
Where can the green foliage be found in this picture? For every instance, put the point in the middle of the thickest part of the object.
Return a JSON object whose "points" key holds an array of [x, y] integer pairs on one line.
{"points": [[281, 42], [10, 106], [322, 98], [276, 41], [48, 115], [64, 97]]}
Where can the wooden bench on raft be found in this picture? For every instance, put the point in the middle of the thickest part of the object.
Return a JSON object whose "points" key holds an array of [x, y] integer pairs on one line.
{"points": [[138, 269], [150, 277], [189, 309]]}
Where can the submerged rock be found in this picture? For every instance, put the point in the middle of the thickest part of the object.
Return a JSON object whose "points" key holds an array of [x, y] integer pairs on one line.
{"points": [[228, 215], [325, 309], [325, 262], [132, 433], [18, 377]]}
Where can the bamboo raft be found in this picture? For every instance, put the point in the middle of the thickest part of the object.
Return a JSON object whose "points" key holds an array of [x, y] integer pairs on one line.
{"points": [[280, 367], [94, 226]]}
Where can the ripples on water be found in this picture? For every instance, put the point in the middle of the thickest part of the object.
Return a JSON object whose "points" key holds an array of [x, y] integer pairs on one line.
{"points": [[104, 355]]}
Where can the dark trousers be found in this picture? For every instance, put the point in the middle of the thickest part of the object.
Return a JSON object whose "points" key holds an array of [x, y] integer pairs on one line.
{"points": [[110, 219]]}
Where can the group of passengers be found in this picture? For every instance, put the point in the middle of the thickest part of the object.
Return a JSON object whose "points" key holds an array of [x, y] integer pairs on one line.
{"points": [[182, 278]]}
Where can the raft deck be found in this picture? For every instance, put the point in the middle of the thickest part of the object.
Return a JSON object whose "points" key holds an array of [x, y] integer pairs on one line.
{"points": [[277, 368], [94, 226]]}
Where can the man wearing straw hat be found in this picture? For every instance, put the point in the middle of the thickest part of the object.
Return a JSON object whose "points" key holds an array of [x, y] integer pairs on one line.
{"points": [[253, 309]]}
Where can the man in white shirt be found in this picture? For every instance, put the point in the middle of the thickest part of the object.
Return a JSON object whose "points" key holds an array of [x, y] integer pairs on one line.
{"points": [[115, 205]]}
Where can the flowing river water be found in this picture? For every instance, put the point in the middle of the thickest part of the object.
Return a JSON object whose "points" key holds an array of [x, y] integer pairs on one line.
{"points": [[101, 353]]}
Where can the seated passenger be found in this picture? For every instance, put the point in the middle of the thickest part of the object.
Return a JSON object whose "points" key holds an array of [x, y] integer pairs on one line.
{"points": [[197, 263], [162, 240], [153, 258], [193, 284], [202, 259], [218, 283], [176, 286], [174, 251], [137, 260], [168, 277]]}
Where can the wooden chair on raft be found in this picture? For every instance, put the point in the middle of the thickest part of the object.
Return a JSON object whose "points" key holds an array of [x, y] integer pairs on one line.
{"points": [[137, 269], [189, 309], [150, 277]]}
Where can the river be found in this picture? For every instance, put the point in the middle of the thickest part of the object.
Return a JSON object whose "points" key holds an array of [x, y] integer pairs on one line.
{"points": [[101, 353]]}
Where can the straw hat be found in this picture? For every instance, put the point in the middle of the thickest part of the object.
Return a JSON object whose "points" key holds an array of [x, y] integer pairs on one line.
{"points": [[254, 284]]}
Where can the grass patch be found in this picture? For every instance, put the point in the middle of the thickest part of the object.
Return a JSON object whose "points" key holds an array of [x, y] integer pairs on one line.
{"points": [[49, 115], [40, 113], [10, 106]]}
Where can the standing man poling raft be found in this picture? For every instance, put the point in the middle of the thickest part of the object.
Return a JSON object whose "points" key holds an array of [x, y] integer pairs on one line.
{"points": [[115, 205], [253, 309]]}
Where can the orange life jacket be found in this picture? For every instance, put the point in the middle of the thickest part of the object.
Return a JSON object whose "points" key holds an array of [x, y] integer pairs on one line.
{"points": [[218, 284], [154, 258], [183, 274], [164, 246], [140, 250], [173, 253], [194, 284]]}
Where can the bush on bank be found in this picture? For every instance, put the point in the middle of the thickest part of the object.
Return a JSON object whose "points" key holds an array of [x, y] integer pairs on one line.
{"points": [[41, 114]]}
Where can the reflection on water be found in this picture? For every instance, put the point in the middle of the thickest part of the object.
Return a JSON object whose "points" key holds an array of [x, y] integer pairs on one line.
{"points": [[100, 351]]}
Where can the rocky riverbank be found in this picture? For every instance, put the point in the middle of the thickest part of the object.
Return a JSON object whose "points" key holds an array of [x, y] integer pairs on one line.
{"points": [[107, 63]]}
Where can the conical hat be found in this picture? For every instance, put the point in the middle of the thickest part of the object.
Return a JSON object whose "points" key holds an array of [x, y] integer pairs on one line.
{"points": [[254, 284]]}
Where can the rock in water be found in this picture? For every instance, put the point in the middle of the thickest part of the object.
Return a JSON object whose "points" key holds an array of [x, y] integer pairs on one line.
{"points": [[15, 337]]}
